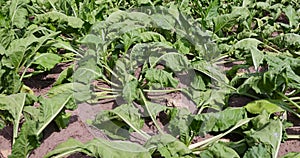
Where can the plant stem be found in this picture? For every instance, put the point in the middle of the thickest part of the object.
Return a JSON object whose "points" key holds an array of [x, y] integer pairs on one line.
{"points": [[288, 99], [107, 97], [104, 93], [142, 133], [112, 72], [275, 50], [293, 136], [108, 89], [148, 110], [161, 90], [295, 98], [215, 138]]}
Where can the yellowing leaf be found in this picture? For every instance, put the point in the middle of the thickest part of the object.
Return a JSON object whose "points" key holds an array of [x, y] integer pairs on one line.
{"points": [[258, 106]]}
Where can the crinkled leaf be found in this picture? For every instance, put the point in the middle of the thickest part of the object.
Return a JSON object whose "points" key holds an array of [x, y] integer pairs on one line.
{"points": [[168, 146], [130, 91], [176, 62], [56, 17], [164, 78], [219, 150], [258, 151], [87, 70], [270, 134], [13, 104], [218, 121], [27, 140]]}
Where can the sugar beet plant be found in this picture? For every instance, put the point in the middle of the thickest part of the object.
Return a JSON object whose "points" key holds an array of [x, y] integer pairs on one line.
{"points": [[140, 56], [135, 55]]}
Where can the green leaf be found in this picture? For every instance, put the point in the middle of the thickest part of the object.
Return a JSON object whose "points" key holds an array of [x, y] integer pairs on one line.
{"points": [[211, 70], [270, 134], [80, 92], [64, 75], [20, 18], [155, 108], [13, 104], [219, 150], [130, 91], [46, 61], [164, 78], [291, 13], [251, 44], [198, 83], [56, 17], [287, 40], [18, 14], [115, 122], [100, 148], [62, 120], [50, 108], [66, 148], [115, 149], [218, 121], [87, 70], [291, 155], [228, 20], [27, 140], [168, 146], [176, 62], [258, 106], [258, 151], [180, 121]]}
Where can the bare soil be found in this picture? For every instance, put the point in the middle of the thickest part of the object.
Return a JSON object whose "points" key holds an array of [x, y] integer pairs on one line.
{"points": [[79, 130]]}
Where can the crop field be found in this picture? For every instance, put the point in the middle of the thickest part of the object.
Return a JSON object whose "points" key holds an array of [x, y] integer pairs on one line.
{"points": [[149, 78]]}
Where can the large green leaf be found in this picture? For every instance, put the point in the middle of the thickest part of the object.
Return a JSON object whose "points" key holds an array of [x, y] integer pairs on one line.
{"points": [[258, 151], [116, 122], [258, 106], [162, 77], [50, 108], [58, 17], [251, 44], [100, 148], [87, 70], [219, 150], [27, 140], [46, 61], [270, 134], [130, 91], [291, 13], [168, 146], [13, 104], [18, 14], [218, 121]]}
